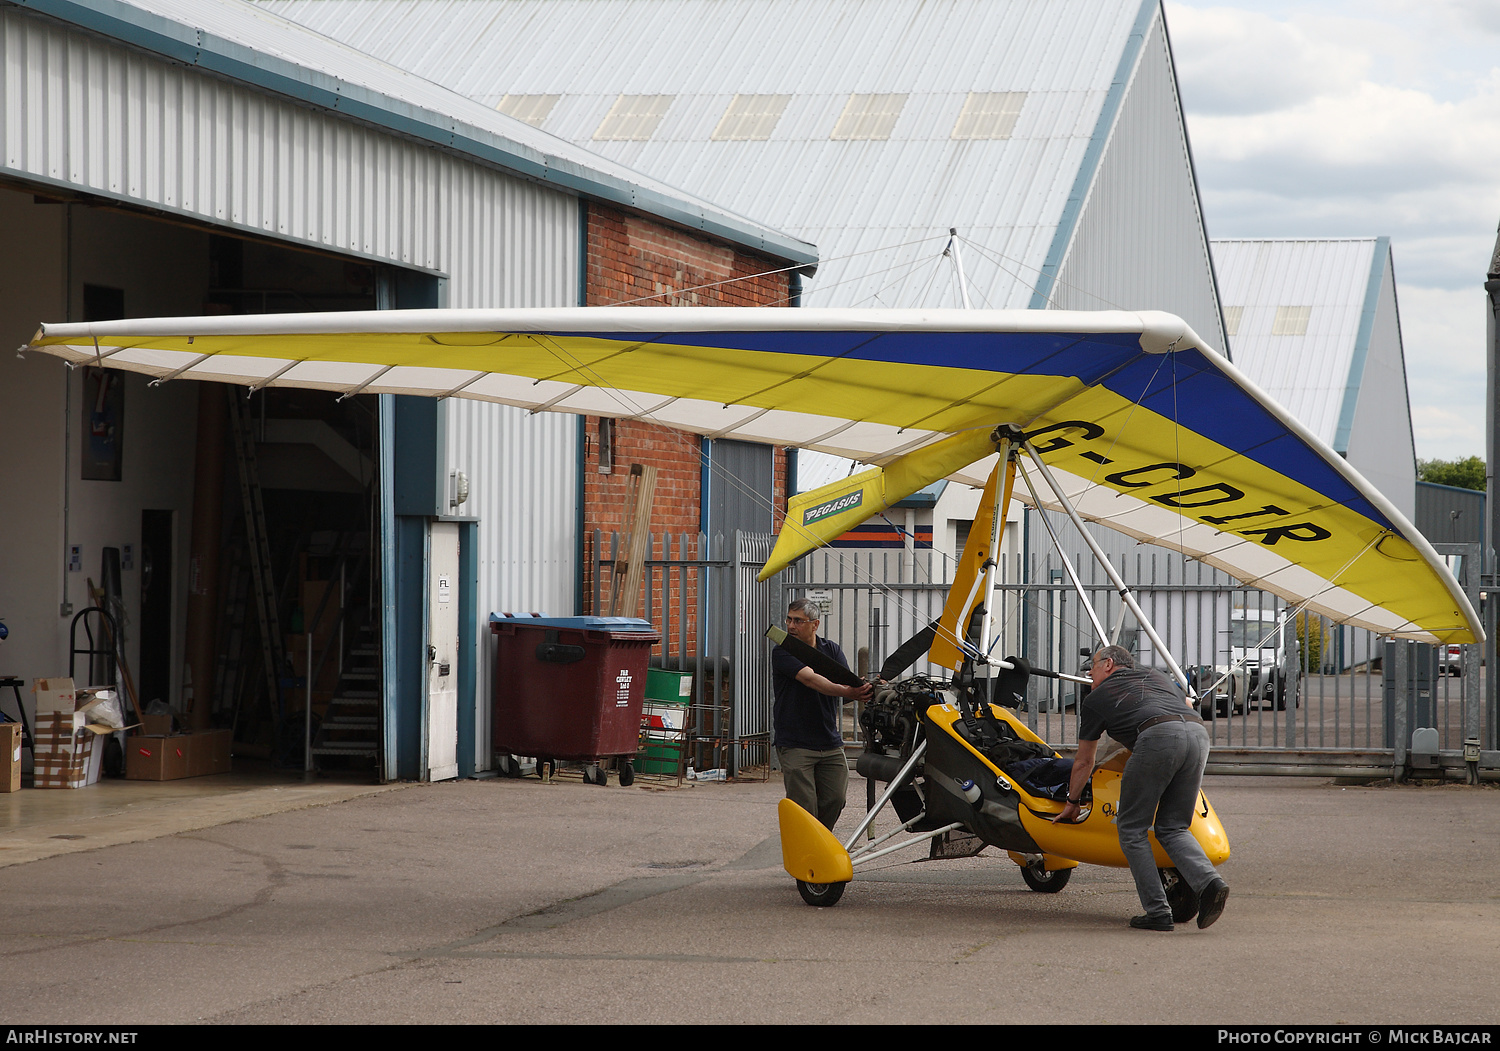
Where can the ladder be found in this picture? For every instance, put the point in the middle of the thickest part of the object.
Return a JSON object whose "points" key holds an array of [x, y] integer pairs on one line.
{"points": [[258, 547]]}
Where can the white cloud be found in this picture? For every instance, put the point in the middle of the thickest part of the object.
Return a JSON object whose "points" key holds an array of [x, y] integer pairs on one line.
{"points": [[1443, 333], [1234, 61], [1376, 137], [1314, 118]]}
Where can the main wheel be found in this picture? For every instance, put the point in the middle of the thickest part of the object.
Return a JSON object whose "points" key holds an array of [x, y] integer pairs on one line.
{"points": [[508, 765], [821, 894], [627, 774], [546, 769], [1180, 896], [1043, 881], [595, 775]]}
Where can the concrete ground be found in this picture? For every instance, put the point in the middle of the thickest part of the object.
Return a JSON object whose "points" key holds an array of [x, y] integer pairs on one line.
{"points": [[513, 901]]}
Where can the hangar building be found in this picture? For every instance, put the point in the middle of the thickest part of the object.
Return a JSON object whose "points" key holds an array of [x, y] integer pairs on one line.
{"points": [[172, 158]]}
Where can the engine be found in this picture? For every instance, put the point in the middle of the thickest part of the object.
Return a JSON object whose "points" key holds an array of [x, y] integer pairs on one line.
{"points": [[890, 718]]}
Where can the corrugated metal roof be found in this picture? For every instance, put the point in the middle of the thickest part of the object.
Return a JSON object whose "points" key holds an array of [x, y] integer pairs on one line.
{"points": [[1338, 279], [253, 45], [879, 208]]}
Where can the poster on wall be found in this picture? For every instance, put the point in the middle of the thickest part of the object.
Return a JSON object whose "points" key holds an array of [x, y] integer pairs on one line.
{"points": [[103, 424]]}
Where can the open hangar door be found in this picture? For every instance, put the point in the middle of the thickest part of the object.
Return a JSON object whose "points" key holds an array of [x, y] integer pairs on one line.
{"points": [[189, 503]]}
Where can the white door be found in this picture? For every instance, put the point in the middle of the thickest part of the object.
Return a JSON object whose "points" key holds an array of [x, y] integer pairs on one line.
{"points": [[442, 653]]}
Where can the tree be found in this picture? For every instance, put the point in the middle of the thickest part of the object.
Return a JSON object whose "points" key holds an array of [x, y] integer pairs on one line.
{"points": [[1466, 474]]}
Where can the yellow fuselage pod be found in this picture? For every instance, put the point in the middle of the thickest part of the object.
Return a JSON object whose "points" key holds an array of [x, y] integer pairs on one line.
{"points": [[1095, 840], [808, 850]]}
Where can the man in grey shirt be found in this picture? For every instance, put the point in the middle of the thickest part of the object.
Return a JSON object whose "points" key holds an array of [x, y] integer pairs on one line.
{"points": [[1140, 708]]}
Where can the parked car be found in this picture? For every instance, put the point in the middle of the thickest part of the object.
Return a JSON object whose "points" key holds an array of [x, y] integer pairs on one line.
{"points": [[1255, 674], [1450, 659]]}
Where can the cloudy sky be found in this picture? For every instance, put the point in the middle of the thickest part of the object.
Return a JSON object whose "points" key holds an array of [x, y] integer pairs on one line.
{"points": [[1333, 118]]}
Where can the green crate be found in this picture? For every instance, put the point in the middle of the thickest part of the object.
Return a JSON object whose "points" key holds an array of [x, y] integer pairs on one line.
{"points": [[660, 757], [669, 687]]}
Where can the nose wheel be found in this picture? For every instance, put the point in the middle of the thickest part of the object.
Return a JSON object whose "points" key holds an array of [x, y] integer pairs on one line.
{"points": [[1042, 881], [821, 894]]}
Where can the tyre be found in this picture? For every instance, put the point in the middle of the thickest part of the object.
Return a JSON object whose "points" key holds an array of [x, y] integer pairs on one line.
{"points": [[822, 895], [546, 769], [1180, 896], [1044, 882], [508, 765], [594, 774], [627, 775]]}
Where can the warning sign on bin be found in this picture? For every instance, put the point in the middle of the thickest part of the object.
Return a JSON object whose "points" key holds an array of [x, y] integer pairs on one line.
{"points": [[622, 695]]}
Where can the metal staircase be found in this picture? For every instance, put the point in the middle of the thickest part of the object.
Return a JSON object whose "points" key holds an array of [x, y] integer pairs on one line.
{"points": [[351, 723]]}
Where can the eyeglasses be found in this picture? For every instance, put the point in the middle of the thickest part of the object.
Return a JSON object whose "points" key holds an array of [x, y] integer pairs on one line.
{"points": [[799, 620]]}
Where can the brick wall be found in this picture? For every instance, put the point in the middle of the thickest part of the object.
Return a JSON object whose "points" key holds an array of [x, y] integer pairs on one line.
{"points": [[631, 257]]}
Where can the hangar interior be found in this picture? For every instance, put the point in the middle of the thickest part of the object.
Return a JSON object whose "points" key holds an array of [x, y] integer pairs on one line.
{"points": [[139, 491]]}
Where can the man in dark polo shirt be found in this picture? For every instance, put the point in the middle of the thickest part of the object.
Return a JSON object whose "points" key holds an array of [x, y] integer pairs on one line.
{"points": [[1145, 712], [806, 720]]}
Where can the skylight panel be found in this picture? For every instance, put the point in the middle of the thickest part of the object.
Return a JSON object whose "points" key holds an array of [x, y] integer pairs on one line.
{"points": [[1291, 321], [988, 115], [633, 118], [750, 118], [868, 117], [1232, 317], [533, 109]]}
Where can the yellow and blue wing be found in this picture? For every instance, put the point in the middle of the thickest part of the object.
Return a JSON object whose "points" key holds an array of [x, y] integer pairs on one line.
{"points": [[1149, 430]]}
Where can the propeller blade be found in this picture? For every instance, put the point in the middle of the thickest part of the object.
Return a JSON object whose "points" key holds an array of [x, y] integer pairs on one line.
{"points": [[909, 652], [814, 658]]}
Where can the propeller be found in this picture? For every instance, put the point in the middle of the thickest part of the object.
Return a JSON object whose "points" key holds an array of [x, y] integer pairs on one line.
{"points": [[814, 658], [908, 652]]}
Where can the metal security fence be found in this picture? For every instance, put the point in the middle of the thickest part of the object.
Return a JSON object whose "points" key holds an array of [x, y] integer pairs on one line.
{"points": [[700, 592], [1282, 690]]}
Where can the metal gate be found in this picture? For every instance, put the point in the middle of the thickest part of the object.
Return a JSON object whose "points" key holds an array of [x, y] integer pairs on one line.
{"points": [[1305, 695], [700, 592]]}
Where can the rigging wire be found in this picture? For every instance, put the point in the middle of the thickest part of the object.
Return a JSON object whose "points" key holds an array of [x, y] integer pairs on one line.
{"points": [[999, 259], [780, 270]]}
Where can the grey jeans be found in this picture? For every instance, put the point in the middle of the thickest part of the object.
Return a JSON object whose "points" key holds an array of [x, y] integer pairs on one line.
{"points": [[816, 781], [1160, 786]]}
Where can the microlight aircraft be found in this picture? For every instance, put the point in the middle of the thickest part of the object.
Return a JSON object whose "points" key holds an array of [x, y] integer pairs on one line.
{"points": [[1127, 419]]}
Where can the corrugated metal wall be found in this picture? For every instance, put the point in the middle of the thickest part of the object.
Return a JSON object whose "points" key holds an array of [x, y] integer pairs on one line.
{"points": [[1449, 515], [81, 113], [1381, 445], [1143, 211]]}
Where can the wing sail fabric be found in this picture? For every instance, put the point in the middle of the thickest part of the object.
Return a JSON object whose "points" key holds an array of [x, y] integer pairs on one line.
{"points": [[815, 517], [1150, 431]]}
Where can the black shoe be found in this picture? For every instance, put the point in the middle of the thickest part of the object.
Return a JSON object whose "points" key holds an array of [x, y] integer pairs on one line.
{"points": [[1211, 902], [1151, 923]]}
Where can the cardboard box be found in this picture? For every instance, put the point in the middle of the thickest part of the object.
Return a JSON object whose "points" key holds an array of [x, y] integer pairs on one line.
{"points": [[151, 758], [156, 725], [54, 695], [208, 752], [10, 757], [64, 751]]}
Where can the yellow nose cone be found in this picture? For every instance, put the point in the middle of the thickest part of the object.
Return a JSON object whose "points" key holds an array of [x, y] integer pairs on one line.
{"points": [[808, 850]]}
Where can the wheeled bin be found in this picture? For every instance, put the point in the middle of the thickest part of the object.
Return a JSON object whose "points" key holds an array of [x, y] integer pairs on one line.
{"points": [[569, 688]]}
